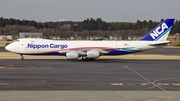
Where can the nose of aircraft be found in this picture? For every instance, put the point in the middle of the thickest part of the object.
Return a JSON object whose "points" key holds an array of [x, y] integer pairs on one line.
{"points": [[7, 47], [10, 48]]}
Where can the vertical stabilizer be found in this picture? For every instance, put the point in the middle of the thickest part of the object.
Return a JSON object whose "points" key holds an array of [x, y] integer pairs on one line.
{"points": [[160, 32]]}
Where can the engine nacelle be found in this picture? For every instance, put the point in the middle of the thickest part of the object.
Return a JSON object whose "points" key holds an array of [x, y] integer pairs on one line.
{"points": [[93, 54], [72, 55]]}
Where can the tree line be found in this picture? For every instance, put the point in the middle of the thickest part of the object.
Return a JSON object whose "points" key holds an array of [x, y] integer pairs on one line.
{"points": [[98, 24], [4, 22], [86, 28], [38, 25]]}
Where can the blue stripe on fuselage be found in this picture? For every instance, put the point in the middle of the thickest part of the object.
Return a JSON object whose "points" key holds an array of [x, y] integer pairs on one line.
{"points": [[122, 52]]}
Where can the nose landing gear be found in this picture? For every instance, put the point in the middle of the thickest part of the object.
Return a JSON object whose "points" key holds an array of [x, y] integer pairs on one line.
{"points": [[22, 58]]}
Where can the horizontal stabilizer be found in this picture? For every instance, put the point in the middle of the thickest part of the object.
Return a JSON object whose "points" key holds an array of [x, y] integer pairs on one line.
{"points": [[160, 44]]}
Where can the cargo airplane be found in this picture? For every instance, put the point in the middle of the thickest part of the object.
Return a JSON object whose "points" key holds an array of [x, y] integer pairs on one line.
{"points": [[92, 49]]}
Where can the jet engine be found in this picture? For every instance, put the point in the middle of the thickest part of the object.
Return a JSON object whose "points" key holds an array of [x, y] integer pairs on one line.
{"points": [[72, 55], [93, 54]]}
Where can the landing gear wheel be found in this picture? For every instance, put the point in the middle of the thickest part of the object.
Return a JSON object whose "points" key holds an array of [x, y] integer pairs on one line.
{"points": [[22, 58], [84, 58], [88, 59]]}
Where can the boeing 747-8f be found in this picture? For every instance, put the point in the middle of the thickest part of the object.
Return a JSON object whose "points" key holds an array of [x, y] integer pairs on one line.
{"points": [[92, 49]]}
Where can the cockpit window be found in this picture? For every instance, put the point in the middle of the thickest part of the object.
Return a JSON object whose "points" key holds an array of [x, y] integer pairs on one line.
{"points": [[17, 40]]}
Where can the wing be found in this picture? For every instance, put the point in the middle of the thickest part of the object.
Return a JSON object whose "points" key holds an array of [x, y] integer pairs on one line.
{"points": [[102, 50]]}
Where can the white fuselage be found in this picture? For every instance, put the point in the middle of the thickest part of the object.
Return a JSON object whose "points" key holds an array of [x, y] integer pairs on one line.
{"points": [[43, 46]]}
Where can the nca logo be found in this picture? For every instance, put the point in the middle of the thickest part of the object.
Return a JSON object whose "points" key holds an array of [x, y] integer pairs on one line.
{"points": [[159, 30]]}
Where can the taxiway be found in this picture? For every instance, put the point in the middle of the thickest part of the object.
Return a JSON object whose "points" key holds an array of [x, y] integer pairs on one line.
{"points": [[112, 75]]}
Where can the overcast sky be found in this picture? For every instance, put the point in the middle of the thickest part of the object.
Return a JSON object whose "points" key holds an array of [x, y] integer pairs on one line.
{"points": [[79, 10]]}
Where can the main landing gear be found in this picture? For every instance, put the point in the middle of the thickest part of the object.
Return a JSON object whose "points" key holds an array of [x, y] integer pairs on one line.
{"points": [[84, 58], [22, 58]]}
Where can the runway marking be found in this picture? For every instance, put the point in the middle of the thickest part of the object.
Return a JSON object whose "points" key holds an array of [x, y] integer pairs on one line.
{"points": [[163, 84], [146, 84], [117, 84], [149, 80], [176, 84], [143, 84]]}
